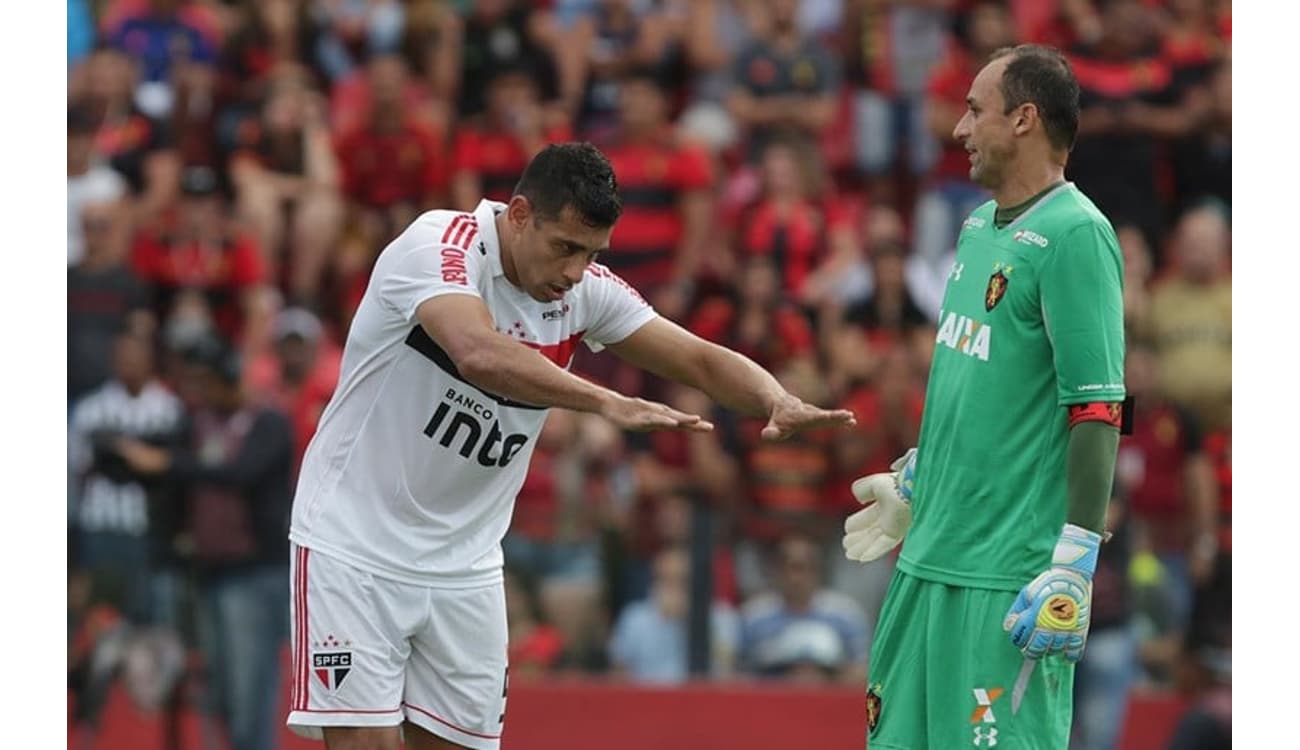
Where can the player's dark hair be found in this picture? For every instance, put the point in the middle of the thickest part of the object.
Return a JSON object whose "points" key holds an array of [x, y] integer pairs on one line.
{"points": [[1043, 77], [572, 175]]}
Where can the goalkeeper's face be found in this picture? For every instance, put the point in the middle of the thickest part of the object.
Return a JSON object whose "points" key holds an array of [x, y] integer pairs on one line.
{"points": [[986, 130]]}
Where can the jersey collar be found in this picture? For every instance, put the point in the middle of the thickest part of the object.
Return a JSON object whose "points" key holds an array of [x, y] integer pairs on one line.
{"points": [[485, 215]]}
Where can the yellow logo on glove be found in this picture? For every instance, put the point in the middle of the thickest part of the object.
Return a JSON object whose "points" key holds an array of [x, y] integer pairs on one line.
{"points": [[1059, 612]]}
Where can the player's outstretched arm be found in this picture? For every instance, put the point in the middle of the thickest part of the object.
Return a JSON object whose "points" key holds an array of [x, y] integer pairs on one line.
{"points": [[732, 379], [462, 326]]}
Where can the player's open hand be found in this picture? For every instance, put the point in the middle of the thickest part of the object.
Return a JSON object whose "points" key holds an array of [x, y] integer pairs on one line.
{"points": [[639, 415], [792, 415]]}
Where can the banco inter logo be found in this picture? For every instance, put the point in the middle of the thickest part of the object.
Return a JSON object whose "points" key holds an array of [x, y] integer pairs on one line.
{"points": [[469, 426]]}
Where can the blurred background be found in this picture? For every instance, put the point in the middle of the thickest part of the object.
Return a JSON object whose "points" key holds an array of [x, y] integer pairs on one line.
{"points": [[791, 190]]}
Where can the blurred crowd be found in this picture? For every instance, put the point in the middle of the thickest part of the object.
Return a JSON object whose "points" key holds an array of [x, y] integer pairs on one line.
{"points": [[792, 190]]}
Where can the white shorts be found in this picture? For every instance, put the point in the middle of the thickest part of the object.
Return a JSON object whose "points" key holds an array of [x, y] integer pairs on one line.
{"points": [[371, 652]]}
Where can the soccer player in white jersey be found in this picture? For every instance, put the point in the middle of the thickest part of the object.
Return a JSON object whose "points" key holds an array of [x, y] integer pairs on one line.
{"points": [[461, 343]]}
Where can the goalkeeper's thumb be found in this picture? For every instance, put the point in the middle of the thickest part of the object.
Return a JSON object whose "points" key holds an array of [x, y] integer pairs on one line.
{"points": [[881, 525]]}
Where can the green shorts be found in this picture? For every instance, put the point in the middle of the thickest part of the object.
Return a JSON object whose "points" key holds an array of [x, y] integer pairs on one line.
{"points": [[942, 672]]}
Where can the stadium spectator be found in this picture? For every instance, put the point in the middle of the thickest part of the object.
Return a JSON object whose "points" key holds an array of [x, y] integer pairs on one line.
{"points": [[649, 643], [431, 44], [394, 166], [196, 247], [803, 632], [948, 195], [1139, 268], [89, 180], [235, 466], [1202, 160], [605, 42], [298, 375], [131, 142], [1190, 319], [1167, 485], [491, 150], [667, 187], [889, 396], [536, 648], [553, 531], [125, 525], [889, 50], [786, 221], [507, 34], [81, 31], [671, 473], [1206, 677], [1103, 681], [167, 46], [355, 30], [713, 33], [757, 320], [786, 485], [272, 35], [286, 182], [784, 81], [1130, 103], [890, 314], [892, 398], [104, 297]]}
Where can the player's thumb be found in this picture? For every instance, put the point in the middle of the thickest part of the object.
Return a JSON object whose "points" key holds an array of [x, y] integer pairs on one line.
{"points": [[772, 431], [862, 490]]}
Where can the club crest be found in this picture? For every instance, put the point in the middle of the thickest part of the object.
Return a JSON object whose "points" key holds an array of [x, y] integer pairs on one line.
{"points": [[995, 291]]}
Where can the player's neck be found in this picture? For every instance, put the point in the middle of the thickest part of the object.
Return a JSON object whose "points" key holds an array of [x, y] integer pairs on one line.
{"points": [[506, 248], [1023, 184]]}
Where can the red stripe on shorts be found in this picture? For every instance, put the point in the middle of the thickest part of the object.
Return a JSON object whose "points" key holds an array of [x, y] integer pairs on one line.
{"points": [[441, 720], [303, 670], [295, 640]]}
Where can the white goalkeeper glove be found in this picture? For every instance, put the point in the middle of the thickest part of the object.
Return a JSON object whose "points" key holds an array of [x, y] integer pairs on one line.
{"points": [[879, 527]]}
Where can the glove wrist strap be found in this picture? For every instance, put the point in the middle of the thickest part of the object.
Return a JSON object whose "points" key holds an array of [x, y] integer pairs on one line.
{"points": [[1077, 550]]}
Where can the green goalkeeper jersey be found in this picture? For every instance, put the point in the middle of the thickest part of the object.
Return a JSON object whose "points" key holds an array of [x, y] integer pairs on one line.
{"points": [[1032, 321]]}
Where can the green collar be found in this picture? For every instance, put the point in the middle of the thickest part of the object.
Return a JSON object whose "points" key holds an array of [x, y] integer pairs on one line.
{"points": [[1004, 216]]}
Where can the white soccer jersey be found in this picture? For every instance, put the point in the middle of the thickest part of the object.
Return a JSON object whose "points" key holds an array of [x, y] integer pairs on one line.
{"points": [[413, 472]]}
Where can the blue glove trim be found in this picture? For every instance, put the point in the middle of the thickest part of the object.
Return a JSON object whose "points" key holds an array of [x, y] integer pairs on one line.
{"points": [[1077, 550]]}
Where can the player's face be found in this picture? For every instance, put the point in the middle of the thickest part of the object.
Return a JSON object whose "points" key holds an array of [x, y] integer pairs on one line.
{"points": [[551, 255], [986, 129]]}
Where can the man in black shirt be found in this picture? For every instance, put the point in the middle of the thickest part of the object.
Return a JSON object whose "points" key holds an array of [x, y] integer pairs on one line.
{"points": [[104, 297], [236, 472]]}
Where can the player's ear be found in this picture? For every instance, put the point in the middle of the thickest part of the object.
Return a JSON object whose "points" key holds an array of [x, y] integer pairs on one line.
{"points": [[1025, 117], [519, 212]]}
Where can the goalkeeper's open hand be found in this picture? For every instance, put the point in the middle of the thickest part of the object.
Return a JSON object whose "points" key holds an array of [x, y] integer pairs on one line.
{"points": [[879, 527], [1051, 615]]}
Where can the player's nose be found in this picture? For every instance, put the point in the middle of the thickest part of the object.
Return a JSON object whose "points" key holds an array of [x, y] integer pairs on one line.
{"points": [[573, 273], [960, 132]]}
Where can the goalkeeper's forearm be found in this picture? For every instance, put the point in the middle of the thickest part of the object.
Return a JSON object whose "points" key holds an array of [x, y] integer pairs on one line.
{"points": [[1090, 472]]}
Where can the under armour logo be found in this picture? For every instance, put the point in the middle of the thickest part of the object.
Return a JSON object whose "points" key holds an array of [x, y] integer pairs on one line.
{"points": [[985, 736], [984, 710], [957, 268]]}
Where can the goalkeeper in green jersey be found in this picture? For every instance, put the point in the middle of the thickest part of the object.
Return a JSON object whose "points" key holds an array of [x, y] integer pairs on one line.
{"points": [[1000, 509]]}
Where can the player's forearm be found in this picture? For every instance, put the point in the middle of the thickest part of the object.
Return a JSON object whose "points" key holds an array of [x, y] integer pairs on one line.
{"points": [[737, 382], [1090, 472], [510, 369]]}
